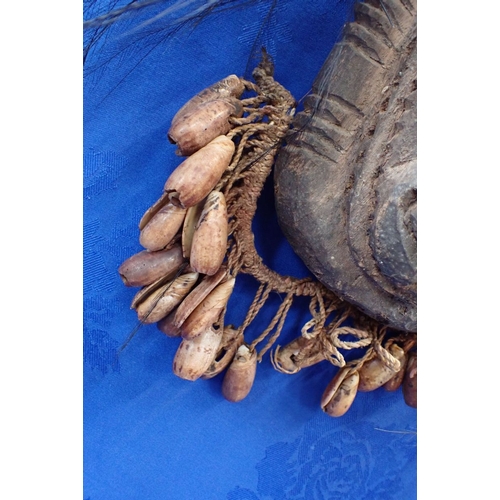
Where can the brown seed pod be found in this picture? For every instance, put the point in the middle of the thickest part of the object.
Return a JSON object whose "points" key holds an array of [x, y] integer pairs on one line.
{"points": [[228, 87], [145, 267], [162, 227], [340, 393], [161, 302], [208, 312], [410, 381], [196, 296], [167, 326], [197, 175], [193, 357], [230, 342], [210, 235], [299, 353], [190, 221], [148, 290], [238, 380], [375, 373], [206, 122], [394, 383], [153, 209]]}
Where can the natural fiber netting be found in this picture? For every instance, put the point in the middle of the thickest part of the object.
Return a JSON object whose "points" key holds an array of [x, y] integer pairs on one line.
{"points": [[257, 133]]}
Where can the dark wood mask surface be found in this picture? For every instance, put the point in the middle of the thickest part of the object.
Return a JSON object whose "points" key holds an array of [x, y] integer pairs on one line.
{"points": [[346, 181]]}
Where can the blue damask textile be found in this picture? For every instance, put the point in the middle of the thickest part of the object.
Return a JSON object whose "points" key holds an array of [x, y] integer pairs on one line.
{"points": [[148, 434]]}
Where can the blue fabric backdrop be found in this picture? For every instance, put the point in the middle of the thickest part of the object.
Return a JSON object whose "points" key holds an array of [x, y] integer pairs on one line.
{"points": [[148, 434]]}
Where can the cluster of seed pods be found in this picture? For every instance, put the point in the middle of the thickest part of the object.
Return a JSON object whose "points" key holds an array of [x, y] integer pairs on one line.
{"points": [[185, 285], [185, 280], [341, 391], [365, 375]]}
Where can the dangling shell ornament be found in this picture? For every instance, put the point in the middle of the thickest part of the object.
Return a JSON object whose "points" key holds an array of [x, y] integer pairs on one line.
{"points": [[345, 183]]}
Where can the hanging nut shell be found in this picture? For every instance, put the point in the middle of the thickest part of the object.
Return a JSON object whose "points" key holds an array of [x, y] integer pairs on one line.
{"points": [[299, 353], [375, 373], [190, 221], [145, 267], [197, 175], [193, 357], [240, 375], [340, 393], [210, 236], [147, 290], [167, 326], [208, 312], [162, 227], [207, 121], [161, 302], [394, 383], [228, 87], [153, 209], [196, 296], [231, 341], [410, 381]]}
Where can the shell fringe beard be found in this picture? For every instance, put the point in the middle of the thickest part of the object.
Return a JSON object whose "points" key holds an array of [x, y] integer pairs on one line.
{"points": [[197, 242]]}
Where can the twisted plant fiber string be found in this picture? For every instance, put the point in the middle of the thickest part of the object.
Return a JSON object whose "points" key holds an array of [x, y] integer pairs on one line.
{"points": [[257, 145]]}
